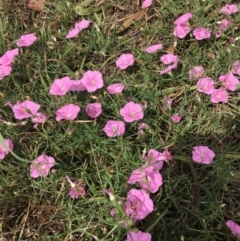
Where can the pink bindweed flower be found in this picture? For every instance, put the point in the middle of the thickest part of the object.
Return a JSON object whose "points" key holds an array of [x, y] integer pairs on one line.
{"points": [[235, 229], [146, 3], [132, 112], [143, 126], [77, 189], [153, 48], [138, 204], [219, 95], [60, 86], [5, 70], [25, 109], [229, 81], [67, 112], [92, 80], [202, 33], [183, 19], [41, 166], [225, 24], [236, 67], [169, 59], [154, 158], [176, 118], [196, 72], [181, 30], [229, 9], [38, 119], [205, 85], [73, 33], [8, 57], [167, 155], [77, 85], [3, 150], [94, 110], [124, 61], [26, 40], [78, 27], [114, 128], [139, 236], [148, 178], [115, 88], [202, 154]]}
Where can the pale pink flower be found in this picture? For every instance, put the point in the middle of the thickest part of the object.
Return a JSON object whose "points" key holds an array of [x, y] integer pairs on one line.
{"points": [[114, 128], [142, 126], [94, 110], [5, 70], [60, 86], [67, 112], [155, 159], [153, 48], [181, 30], [183, 19], [168, 102], [138, 204], [236, 67], [25, 109], [219, 95], [232, 40], [41, 166], [124, 61], [229, 9], [77, 189], [235, 229], [110, 194], [116, 88], [205, 85], [202, 33], [196, 72], [77, 85], [8, 57], [132, 112], [92, 80], [139, 236], [38, 119], [176, 118], [26, 40], [3, 150], [148, 178], [79, 26], [168, 59], [202, 154], [229, 81], [73, 33], [146, 3], [167, 155], [225, 24]]}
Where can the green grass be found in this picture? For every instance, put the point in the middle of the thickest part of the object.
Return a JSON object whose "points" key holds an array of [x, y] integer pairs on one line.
{"points": [[195, 201]]}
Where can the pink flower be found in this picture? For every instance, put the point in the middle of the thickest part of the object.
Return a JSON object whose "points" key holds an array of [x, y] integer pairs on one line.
{"points": [[181, 30], [236, 67], [92, 80], [219, 95], [138, 204], [183, 19], [26, 40], [131, 112], [25, 109], [38, 119], [114, 128], [139, 236], [5, 70], [60, 86], [77, 85], [142, 126], [196, 72], [155, 159], [146, 3], [41, 166], [167, 155], [115, 88], [148, 178], [176, 118], [77, 189], [202, 33], [67, 112], [205, 85], [235, 229], [79, 26], [225, 24], [168, 59], [229, 81], [94, 110], [153, 48], [202, 154], [124, 61], [3, 150], [73, 33], [229, 9], [8, 57]]}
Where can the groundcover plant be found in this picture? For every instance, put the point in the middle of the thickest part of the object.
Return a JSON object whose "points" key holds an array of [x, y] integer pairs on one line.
{"points": [[119, 120]]}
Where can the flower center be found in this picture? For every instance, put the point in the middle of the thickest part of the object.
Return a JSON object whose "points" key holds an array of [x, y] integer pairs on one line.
{"points": [[92, 82]]}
